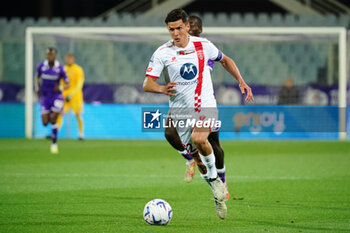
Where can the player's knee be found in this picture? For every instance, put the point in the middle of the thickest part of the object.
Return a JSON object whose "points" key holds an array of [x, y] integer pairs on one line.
{"points": [[198, 140], [53, 120]]}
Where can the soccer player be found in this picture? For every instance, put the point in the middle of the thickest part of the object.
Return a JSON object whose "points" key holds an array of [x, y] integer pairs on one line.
{"points": [[49, 74], [73, 96], [173, 138], [185, 58]]}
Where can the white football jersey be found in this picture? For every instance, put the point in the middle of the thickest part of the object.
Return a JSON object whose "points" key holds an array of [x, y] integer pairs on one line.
{"points": [[189, 68]]}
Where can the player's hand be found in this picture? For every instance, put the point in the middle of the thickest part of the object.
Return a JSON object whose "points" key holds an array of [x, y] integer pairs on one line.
{"points": [[247, 91], [37, 91], [66, 86], [169, 89], [68, 98]]}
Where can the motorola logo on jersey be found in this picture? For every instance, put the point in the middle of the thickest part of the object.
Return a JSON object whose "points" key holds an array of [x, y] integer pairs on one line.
{"points": [[188, 71]]}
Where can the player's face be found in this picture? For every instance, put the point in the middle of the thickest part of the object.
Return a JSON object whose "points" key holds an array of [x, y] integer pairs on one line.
{"points": [[178, 31], [69, 60], [51, 56], [195, 30]]}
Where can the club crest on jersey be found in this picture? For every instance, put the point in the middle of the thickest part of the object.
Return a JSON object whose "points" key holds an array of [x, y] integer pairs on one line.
{"points": [[200, 54], [188, 71]]}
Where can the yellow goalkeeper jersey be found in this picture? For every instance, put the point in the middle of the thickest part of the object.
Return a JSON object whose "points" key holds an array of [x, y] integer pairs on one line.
{"points": [[76, 80]]}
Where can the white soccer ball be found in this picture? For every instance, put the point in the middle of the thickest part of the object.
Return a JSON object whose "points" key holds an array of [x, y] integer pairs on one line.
{"points": [[157, 212]]}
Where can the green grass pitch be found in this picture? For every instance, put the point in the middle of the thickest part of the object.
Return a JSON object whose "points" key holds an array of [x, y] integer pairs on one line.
{"points": [[103, 185]]}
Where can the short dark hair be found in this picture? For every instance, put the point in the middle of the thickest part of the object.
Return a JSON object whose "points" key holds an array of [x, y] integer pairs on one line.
{"points": [[51, 49], [176, 15], [196, 19]]}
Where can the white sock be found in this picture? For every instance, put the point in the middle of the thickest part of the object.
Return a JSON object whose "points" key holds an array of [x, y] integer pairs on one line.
{"points": [[222, 170], [206, 179], [209, 162]]}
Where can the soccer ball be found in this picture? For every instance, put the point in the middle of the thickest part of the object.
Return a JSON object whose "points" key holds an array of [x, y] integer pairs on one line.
{"points": [[157, 212]]}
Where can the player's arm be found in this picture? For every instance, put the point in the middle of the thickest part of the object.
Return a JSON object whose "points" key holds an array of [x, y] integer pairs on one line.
{"points": [[79, 85], [231, 67], [65, 79], [150, 85], [154, 70], [66, 84]]}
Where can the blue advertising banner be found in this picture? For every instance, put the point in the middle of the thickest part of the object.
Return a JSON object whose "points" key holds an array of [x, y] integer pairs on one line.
{"points": [[124, 121], [237, 122], [252, 121], [11, 120]]}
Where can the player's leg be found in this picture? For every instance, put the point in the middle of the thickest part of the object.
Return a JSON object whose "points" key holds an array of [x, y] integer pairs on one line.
{"points": [[45, 110], [60, 118], [174, 140], [220, 205], [45, 113], [45, 118], [213, 139], [206, 153], [185, 138], [54, 125], [56, 110], [80, 126], [77, 107]]}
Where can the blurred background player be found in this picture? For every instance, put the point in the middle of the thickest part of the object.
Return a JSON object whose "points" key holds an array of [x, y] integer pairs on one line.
{"points": [[49, 74], [73, 96], [288, 94], [173, 137]]}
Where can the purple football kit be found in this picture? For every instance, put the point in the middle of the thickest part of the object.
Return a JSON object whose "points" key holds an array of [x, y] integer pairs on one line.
{"points": [[50, 99]]}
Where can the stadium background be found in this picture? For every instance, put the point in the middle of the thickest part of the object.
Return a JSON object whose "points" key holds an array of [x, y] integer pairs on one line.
{"points": [[115, 88]]}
